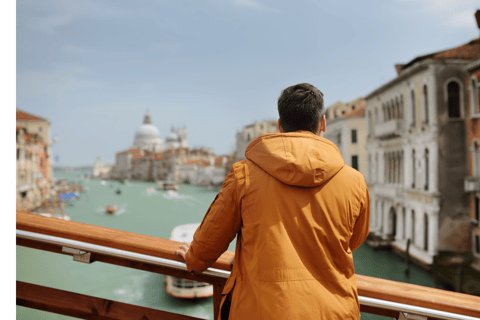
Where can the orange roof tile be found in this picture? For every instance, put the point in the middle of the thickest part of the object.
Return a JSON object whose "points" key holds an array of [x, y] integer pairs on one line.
{"points": [[27, 116], [468, 51], [358, 112]]}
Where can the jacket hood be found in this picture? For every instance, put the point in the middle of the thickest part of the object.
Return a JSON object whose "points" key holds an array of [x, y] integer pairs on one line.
{"points": [[296, 158]]}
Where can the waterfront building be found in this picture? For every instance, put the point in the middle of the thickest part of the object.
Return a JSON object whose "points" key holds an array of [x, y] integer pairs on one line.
{"points": [[100, 170], [34, 125], [250, 132], [33, 167], [339, 109], [348, 131], [416, 154], [177, 138], [472, 180]]}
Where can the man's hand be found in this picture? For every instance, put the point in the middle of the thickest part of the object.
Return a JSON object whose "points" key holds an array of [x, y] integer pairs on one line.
{"points": [[183, 250]]}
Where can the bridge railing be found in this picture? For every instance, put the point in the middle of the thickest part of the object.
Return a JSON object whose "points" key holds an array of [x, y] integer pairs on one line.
{"points": [[87, 243]]}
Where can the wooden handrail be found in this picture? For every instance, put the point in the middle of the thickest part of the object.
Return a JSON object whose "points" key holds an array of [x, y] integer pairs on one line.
{"points": [[367, 286]]}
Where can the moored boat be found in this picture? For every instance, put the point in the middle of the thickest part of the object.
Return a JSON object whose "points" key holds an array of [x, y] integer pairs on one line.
{"points": [[183, 288]]}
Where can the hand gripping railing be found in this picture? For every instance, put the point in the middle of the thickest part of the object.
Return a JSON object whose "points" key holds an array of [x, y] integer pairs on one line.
{"points": [[91, 243]]}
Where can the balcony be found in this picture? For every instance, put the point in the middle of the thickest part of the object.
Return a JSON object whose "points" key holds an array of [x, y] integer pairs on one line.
{"points": [[472, 184], [389, 129], [93, 244]]}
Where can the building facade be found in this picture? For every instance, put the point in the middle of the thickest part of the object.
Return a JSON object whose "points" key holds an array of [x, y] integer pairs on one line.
{"points": [[472, 181], [249, 133], [348, 132], [416, 150], [33, 166]]}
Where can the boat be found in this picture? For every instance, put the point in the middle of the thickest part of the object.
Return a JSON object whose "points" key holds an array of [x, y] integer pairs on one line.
{"points": [[150, 190], [164, 185], [118, 191], [184, 288], [111, 208], [171, 194]]}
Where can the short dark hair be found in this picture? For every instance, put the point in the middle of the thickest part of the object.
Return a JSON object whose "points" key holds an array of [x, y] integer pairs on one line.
{"points": [[300, 107]]}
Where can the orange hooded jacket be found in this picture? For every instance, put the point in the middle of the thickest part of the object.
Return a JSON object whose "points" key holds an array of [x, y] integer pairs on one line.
{"points": [[299, 212]]}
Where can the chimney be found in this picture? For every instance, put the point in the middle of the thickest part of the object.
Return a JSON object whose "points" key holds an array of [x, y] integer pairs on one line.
{"points": [[399, 68], [477, 16]]}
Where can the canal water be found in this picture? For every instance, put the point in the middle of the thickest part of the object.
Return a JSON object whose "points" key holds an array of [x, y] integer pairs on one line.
{"points": [[153, 215]]}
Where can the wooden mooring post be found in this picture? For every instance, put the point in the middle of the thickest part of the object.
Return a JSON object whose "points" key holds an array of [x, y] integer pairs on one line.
{"points": [[407, 258]]}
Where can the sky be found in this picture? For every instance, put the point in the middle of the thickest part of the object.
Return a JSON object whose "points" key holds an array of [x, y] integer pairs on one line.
{"points": [[93, 68]]}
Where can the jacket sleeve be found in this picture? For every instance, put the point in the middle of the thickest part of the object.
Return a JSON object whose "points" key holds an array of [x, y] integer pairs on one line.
{"points": [[362, 224], [218, 228]]}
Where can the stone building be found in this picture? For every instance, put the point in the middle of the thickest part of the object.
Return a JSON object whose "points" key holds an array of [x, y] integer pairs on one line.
{"points": [[249, 133], [100, 170], [472, 180], [348, 132], [33, 166], [147, 136], [416, 152]]}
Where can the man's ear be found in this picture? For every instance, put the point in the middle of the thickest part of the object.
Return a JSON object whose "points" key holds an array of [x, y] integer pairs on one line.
{"points": [[280, 126], [322, 126]]}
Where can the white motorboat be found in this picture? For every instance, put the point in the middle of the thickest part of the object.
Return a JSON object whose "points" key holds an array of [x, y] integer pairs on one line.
{"points": [[183, 288]]}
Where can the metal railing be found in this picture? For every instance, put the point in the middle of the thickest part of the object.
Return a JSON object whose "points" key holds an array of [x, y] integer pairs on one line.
{"points": [[404, 301]]}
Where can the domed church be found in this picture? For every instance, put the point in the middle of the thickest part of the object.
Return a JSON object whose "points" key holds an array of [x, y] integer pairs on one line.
{"points": [[147, 136]]}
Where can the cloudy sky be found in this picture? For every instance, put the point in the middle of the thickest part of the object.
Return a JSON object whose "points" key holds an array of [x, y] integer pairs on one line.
{"points": [[93, 68]]}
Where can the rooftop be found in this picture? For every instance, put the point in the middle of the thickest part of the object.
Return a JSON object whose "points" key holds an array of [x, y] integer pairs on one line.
{"points": [[467, 51], [21, 115]]}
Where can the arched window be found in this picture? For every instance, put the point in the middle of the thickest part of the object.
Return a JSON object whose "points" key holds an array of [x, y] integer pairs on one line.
{"points": [[425, 232], [413, 169], [477, 209], [401, 106], [426, 169], [394, 109], [414, 118], [453, 91], [404, 223], [425, 103], [384, 113], [370, 122], [397, 106]]}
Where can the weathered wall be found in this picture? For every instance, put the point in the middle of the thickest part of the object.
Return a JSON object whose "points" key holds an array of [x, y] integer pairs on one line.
{"points": [[453, 219]]}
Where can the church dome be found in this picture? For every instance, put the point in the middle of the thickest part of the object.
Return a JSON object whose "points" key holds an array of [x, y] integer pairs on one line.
{"points": [[147, 136]]}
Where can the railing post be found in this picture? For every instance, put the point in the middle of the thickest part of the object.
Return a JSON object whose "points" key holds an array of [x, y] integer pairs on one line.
{"points": [[217, 298]]}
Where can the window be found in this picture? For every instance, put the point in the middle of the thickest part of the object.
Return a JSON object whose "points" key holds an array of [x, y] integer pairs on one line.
{"points": [[401, 106], [475, 160], [453, 91], [18, 153], [414, 118], [40, 129], [425, 103], [354, 135], [474, 97], [477, 244], [404, 223], [426, 169], [355, 162], [477, 209], [376, 115]]}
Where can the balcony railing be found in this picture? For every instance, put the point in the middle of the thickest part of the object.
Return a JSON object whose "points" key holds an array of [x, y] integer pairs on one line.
{"points": [[389, 129], [89, 243], [472, 184]]}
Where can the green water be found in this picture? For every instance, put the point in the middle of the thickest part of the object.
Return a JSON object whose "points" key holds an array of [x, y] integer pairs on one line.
{"points": [[152, 215]]}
